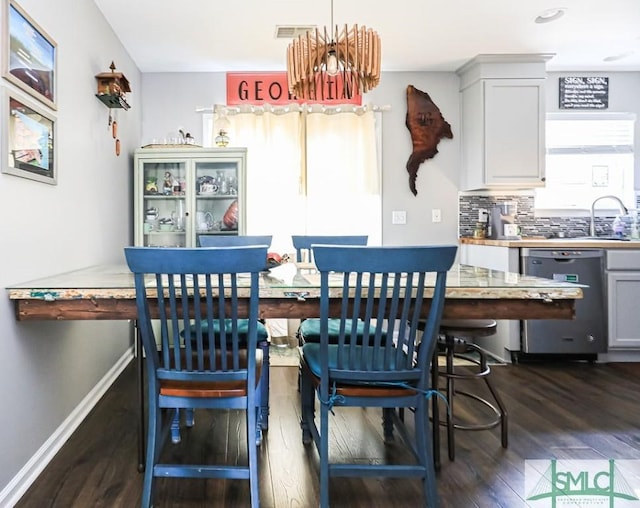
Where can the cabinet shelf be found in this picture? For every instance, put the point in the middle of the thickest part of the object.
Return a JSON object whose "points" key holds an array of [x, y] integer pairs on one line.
{"points": [[164, 196]]}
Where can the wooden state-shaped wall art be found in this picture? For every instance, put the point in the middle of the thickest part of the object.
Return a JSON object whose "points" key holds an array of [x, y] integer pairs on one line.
{"points": [[427, 127]]}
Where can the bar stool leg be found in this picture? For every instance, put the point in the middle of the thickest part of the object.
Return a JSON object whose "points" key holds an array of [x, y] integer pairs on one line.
{"points": [[450, 395], [435, 411], [504, 427], [504, 433]]}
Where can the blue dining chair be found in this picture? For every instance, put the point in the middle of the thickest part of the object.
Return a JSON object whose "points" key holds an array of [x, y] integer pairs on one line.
{"points": [[384, 287], [189, 289], [309, 329], [262, 398]]}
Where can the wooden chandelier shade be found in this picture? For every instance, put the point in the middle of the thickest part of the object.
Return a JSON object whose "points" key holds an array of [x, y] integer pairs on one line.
{"points": [[357, 51]]}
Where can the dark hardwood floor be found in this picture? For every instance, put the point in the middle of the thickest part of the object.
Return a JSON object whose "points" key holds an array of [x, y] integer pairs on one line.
{"points": [[571, 410]]}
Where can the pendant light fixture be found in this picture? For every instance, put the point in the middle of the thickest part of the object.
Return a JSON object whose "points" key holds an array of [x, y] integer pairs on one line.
{"points": [[350, 56]]}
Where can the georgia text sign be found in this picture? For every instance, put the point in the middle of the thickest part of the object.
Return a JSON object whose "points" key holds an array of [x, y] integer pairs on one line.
{"points": [[260, 88]]}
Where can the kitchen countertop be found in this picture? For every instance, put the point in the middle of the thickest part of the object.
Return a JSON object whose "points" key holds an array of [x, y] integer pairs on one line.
{"points": [[550, 243]]}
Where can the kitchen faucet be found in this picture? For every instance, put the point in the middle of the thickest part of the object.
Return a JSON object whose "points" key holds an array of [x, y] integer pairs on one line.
{"points": [[623, 209]]}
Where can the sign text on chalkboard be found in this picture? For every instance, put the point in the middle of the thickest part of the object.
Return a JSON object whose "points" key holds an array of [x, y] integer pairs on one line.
{"points": [[584, 93]]}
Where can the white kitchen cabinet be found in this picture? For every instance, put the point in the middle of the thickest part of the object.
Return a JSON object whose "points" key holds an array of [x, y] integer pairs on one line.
{"points": [[503, 123], [623, 291], [183, 192]]}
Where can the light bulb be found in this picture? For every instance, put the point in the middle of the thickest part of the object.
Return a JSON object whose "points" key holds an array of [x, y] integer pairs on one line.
{"points": [[332, 63]]}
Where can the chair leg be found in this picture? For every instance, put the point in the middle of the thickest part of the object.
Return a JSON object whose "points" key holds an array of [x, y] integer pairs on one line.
{"points": [[387, 424], [154, 442], [189, 417], [324, 456], [425, 453], [252, 447], [175, 428], [263, 387], [307, 402]]}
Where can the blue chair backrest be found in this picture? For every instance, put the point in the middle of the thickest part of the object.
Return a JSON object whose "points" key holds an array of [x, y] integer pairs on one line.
{"points": [[306, 241], [385, 288], [187, 288], [234, 240]]}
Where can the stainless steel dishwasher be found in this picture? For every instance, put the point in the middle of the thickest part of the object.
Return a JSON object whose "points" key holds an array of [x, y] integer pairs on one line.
{"points": [[586, 334]]}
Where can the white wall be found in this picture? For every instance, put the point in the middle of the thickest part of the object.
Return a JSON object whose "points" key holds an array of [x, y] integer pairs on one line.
{"points": [[48, 368], [170, 100]]}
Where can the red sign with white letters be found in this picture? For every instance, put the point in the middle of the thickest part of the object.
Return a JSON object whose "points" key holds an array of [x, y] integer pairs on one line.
{"points": [[261, 88]]}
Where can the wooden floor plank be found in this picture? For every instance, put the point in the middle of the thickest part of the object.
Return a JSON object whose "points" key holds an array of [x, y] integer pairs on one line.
{"points": [[568, 410]]}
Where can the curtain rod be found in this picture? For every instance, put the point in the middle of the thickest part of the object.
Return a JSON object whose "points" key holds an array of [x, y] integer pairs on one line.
{"points": [[309, 108]]}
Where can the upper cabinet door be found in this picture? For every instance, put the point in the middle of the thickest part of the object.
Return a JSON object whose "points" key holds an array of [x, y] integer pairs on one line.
{"points": [[503, 134], [514, 132]]}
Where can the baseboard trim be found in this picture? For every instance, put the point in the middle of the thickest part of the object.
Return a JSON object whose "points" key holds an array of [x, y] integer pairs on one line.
{"points": [[19, 484]]}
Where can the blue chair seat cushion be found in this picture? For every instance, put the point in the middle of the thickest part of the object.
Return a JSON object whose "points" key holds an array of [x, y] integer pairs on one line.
{"points": [[309, 330], [311, 357], [243, 329]]}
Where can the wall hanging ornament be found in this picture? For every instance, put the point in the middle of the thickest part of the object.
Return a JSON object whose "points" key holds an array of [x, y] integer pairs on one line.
{"points": [[427, 127], [112, 89]]}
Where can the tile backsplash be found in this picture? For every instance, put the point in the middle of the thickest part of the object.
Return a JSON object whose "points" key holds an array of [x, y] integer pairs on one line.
{"points": [[529, 224]]}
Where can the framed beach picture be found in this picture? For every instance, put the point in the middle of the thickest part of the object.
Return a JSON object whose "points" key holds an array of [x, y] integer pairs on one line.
{"points": [[28, 139], [29, 55]]}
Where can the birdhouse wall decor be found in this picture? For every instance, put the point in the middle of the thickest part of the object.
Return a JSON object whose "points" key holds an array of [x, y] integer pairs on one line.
{"points": [[112, 87]]}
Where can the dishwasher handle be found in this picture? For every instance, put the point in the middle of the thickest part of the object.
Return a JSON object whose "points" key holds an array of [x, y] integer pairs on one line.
{"points": [[561, 254]]}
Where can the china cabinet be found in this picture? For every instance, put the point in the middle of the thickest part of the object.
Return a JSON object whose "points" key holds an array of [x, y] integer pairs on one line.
{"points": [[183, 192]]}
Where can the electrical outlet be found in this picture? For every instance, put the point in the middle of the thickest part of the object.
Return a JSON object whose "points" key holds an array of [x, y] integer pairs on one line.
{"points": [[436, 215], [398, 217], [483, 213]]}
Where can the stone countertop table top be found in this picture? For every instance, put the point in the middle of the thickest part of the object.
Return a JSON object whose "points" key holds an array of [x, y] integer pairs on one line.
{"points": [[551, 243], [463, 282]]}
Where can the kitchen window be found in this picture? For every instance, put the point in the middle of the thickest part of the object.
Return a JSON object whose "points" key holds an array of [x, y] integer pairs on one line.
{"points": [[588, 155], [310, 170]]}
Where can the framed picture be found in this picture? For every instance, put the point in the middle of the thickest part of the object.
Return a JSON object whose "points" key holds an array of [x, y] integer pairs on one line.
{"points": [[29, 55], [28, 139]]}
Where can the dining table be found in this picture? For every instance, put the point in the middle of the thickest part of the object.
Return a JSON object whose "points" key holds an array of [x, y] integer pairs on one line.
{"points": [[292, 291]]}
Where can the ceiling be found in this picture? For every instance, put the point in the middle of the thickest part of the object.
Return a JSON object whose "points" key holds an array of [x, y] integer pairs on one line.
{"points": [[417, 35]]}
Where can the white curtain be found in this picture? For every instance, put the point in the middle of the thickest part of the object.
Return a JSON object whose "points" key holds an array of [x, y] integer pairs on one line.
{"points": [[342, 175], [310, 171], [274, 161]]}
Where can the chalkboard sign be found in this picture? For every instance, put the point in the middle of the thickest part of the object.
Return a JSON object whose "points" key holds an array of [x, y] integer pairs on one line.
{"points": [[584, 93]]}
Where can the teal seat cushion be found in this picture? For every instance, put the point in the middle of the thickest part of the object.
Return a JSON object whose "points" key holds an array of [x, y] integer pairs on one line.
{"points": [[311, 356], [243, 329], [309, 330]]}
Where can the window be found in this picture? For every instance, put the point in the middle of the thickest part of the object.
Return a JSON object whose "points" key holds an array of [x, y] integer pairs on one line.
{"points": [[309, 171], [588, 155]]}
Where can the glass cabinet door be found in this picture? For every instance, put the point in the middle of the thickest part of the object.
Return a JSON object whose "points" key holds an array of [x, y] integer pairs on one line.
{"points": [[216, 197], [164, 207]]}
